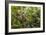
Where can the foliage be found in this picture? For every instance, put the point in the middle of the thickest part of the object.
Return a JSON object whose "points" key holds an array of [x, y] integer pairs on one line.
{"points": [[25, 17]]}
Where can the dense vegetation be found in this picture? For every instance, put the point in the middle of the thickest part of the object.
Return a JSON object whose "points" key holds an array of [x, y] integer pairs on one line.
{"points": [[25, 17]]}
